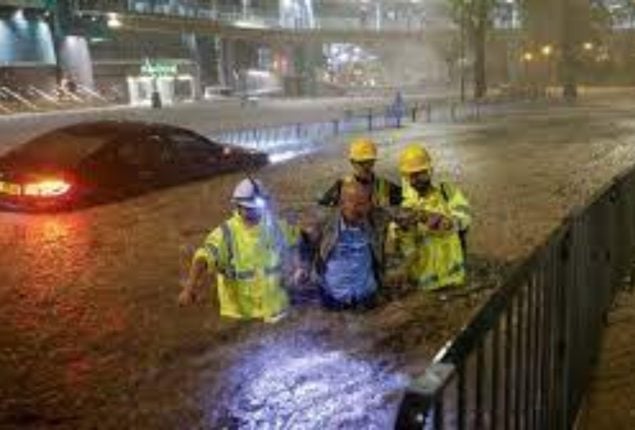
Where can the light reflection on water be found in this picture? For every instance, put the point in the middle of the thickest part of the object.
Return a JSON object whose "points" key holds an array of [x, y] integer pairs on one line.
{"points": [[297, 383], [281, 157]]}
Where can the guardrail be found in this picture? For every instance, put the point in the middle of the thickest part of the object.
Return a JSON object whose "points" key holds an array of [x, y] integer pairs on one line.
{"points": [[526, 358], [266, 17], [363, 120]]}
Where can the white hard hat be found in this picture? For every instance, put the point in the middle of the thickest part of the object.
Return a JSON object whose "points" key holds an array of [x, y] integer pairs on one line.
{"points": [[250, 193]]}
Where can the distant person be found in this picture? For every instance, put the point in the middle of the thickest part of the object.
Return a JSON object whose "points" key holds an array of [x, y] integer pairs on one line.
{"points": [[433, 249], [71, 85], [398, 108], [248, 254], [363, 155]]}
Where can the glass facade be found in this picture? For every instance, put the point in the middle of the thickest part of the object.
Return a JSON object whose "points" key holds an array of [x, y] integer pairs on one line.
{"points": [[25, 39]]}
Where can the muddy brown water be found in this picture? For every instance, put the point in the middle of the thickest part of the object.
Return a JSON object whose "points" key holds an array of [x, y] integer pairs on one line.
{"points": [[91, 337]]}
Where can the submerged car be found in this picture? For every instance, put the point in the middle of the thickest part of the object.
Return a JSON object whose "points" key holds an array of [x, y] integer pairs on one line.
{"points": [[102, 161]]}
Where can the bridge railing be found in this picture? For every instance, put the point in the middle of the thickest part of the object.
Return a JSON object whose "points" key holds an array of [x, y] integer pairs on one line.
{"points": [[236, 15], [362, 120], [525, 360]]}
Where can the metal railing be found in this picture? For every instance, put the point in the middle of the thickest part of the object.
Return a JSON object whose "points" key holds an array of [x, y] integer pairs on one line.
{"points": [[362, 120], [257, 16], [526, 358]]}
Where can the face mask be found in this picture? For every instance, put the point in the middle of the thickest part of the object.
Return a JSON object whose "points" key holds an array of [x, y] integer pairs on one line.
{"points": [[365, 180], [421, 184], [252, 216]]}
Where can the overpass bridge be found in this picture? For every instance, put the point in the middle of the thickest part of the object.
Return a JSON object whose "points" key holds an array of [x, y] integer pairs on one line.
{"points": [[259, 28]]}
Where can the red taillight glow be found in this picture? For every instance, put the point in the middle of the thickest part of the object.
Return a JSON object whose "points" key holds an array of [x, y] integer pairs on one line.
{"points": [[46, 188]]}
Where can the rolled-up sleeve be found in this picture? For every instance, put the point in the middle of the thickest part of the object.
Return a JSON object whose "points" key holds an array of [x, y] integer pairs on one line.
{"points": [[213, 251], [461, 210]]}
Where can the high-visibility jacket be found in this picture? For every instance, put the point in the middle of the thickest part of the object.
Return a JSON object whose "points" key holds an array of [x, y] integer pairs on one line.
{"points": [[384, 192], [249, 263], [434, 259]]}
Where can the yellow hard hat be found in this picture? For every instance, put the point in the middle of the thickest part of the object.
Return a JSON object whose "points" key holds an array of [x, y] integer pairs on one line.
{"points": [[362, 149], [414, 158]]}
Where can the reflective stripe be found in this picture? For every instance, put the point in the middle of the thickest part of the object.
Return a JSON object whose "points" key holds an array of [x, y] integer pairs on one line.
{"points": [[428, 280], [244, 275], [461, 208], [445, 191], [211, 249], [228, 270], [273, 270], [458, 267], [381, 196], [228, 238]]}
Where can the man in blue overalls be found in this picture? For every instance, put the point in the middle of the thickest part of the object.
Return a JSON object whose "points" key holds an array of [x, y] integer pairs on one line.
{"points": [[348, 254]]}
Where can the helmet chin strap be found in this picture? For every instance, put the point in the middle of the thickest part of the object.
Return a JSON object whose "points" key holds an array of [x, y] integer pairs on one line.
{"points": [[255, 185]]}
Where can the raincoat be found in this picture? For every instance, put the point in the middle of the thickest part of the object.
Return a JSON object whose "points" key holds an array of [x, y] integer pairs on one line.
{"points": [[434, 259], [249, 261]]}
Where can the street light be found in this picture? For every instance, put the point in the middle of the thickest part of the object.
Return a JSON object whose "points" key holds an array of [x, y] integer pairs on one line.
{"points": [[547, 50], [588, 46], [527, 58], [113, 21]]}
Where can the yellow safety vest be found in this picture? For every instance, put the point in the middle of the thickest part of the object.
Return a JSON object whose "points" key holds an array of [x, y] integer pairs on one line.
{"points": [[434, 259], [249, 262], [381, 193]]}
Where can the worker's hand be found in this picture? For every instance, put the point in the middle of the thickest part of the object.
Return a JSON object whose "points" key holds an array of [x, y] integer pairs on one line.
{"points": [[300, 276], [396, 279], [187, 297], [403, 218], [438, 222]]}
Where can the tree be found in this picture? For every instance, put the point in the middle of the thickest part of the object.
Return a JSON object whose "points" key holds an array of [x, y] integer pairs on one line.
{"points": [[474, 18]]}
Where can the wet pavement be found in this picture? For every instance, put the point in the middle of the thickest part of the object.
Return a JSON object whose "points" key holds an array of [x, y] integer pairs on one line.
{"points": [[91, 337], [610, 403], [205, 117]]}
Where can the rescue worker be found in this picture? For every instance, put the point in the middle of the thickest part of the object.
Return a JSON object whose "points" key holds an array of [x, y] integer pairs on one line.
{"points": [[248, 254], [363, 155], [347, 256], [433, 248]]}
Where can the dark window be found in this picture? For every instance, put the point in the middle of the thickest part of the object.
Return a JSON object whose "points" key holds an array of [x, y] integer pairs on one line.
{"points": [[195, 149]]}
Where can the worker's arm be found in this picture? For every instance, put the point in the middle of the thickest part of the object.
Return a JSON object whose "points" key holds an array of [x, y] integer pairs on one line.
{"points": [[297, 243], [460, 208], [394, 194], [204, 263], [196, 276], [332, 196]]}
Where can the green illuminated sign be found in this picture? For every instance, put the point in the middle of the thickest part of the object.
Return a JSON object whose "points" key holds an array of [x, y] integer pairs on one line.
{"points": [[158, 69]]}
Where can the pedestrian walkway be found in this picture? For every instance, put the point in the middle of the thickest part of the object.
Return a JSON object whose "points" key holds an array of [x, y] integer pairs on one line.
{"points": [[611, 400]]}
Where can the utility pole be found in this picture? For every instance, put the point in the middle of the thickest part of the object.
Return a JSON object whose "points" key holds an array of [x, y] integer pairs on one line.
{"points": [[462, 49], [569, 84]]}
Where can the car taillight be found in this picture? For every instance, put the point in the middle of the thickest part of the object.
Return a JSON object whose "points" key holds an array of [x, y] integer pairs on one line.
{"points": [[46, 188]]}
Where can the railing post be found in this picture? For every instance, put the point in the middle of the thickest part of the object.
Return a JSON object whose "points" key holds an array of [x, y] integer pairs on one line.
{"points": [[565, 300], [429, 112], [414, 112], [370, 119], [423, 397]]}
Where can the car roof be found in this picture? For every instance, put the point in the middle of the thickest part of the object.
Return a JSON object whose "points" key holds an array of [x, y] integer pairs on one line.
{"points": [[67, 146]]}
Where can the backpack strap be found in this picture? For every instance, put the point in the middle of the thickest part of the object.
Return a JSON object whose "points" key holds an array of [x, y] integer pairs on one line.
{"points": [[443, 186], [228, 239]]}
